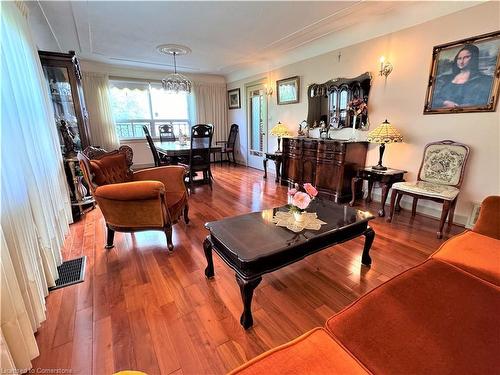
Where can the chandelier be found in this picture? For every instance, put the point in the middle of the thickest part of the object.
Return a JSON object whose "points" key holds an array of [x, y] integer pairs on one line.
{"points": [[175, 82]]}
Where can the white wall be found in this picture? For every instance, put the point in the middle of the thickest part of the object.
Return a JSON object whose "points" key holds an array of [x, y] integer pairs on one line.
{"points": [[142, 153], [401, 101]]}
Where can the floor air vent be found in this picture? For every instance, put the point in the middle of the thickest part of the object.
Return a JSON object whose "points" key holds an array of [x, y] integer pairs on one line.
{"points": [[70, 272]]}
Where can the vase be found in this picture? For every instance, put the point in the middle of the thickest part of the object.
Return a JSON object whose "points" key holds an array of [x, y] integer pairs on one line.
{"points": [[80, 188], [298, 217]]}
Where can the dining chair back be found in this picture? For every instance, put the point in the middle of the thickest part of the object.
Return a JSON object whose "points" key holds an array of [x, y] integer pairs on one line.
{"points": [[228, 146], [199, 153], [167, 133], [152, 146]]}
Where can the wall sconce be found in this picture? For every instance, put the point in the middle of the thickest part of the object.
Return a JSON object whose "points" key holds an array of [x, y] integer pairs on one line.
{"points": [[385, 67], [269, 90]]}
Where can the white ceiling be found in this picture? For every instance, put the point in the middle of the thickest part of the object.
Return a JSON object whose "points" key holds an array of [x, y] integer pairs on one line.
{"points": [[225, 36]]}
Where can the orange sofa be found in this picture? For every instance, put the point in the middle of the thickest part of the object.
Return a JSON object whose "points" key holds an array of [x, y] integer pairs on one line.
{"points": [[440, 317]]}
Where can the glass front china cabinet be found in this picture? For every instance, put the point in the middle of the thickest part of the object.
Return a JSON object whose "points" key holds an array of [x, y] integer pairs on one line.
{"points": [[63, 78]]}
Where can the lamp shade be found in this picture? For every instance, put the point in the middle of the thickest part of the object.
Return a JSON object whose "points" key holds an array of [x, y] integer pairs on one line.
{"points": [[279, 130], [384, 133]]}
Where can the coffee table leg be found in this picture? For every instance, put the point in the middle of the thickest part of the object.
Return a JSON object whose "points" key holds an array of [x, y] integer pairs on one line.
{"points": [[246, 289], [369, 236], [207, 247]]}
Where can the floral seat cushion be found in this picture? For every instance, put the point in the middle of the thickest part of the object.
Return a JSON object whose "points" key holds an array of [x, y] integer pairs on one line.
{"points": [[429, 189]]}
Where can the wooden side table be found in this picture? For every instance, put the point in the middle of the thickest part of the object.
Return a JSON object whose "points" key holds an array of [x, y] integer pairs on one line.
{"points": [[277, 157], [384, 178]]}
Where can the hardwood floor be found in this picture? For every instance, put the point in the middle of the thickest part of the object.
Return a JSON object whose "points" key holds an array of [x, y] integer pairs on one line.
{"points": [[144, 308]]}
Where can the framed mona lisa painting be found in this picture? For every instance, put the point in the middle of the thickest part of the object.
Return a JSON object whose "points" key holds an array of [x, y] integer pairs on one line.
{"points": [[464, 76]]}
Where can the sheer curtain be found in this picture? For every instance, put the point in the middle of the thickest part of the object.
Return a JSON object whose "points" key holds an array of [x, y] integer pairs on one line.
{"points": [[210, 105], [35, 208], [102, 125]]}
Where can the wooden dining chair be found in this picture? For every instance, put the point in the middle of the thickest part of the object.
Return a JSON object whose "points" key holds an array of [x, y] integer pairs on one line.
{"points": [[158, 160], [167, 133], [199, 153], [228, 146], [439, 179]]}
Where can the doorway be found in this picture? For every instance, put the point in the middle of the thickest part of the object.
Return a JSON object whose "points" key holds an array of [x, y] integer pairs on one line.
{"points": [[257, 129]]}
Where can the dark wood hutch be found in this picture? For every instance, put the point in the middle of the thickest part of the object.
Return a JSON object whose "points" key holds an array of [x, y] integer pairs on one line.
{"points": [[328, 164], [63, 77]]}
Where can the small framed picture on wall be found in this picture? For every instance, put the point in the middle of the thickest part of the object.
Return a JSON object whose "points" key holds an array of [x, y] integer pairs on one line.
{"points": [[288, 90], [464, 76], [233, 98]]}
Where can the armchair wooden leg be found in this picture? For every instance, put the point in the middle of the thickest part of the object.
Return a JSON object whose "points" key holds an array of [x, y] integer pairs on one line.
{"points": [[444, 214], [110, 239], [414, 207], [168, 234], [393, 204], [186, 216]]}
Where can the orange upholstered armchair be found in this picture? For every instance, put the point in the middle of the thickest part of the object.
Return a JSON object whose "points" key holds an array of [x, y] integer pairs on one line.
{"points": [[488, 222], [150, 199]]}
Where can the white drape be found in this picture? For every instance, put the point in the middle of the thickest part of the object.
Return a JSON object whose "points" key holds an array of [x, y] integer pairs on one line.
{"points": [[210, 101], [102, 126], [35, 208]]}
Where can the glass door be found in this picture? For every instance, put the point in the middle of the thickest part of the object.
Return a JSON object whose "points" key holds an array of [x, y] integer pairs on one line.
{"points": [[257, 120], [62, 101]]}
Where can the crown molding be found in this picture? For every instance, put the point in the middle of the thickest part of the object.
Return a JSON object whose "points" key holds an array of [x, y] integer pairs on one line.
{"points": [[320, 38]]}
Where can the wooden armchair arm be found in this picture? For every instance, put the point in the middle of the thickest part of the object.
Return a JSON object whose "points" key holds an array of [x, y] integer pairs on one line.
{"points": [[488, 222]]}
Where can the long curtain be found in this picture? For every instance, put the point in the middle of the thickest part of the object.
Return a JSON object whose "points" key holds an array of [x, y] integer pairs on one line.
{"points": [[35, 208], [210, 102], [102, 126]]}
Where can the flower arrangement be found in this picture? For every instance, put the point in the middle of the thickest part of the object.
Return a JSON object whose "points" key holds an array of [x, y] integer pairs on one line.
{"points": [[357, 107], [299, 200]]}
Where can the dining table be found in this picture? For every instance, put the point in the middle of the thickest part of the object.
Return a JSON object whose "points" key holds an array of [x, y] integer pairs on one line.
{"points": [[180, 150]]}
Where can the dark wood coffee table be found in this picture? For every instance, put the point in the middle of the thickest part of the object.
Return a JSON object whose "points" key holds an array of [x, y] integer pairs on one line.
{"points": [[252, 245]]}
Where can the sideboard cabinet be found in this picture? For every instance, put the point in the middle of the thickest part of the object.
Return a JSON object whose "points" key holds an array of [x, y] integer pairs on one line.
{"points": [[328, 164]]}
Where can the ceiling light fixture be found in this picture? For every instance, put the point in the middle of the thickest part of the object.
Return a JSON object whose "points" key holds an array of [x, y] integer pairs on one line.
{"points": [[175, 82]]}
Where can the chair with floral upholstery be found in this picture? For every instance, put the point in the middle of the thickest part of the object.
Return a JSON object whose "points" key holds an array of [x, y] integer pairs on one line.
{"points": [[149, 199], [439, 179]]}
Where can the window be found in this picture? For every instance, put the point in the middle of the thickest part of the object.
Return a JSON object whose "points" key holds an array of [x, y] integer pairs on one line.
{"points": [[136, 103]]}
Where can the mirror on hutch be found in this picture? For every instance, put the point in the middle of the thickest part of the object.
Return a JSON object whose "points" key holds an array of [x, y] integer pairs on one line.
{"points": [[339, 103]]}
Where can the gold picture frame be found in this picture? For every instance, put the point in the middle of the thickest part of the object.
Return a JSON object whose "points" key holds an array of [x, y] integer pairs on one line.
{"points": [[464, 76], [288, 90]]}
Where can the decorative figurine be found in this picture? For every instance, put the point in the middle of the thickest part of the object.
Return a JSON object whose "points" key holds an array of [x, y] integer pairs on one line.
{"points": [[324, 129], [68, 139], [301, 131]]}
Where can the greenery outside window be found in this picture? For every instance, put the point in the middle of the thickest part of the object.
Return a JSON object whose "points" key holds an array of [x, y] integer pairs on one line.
{"points": [[137, 103]]}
